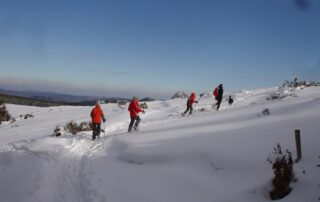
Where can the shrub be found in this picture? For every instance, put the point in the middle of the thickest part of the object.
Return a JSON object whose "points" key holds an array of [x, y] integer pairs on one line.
{"points": [[12, 120], [122, 104], [266, 111], [58, 131], [283, 173], [28, 116], [4, 114], [73, 128], [85, 126], [296, 83], [144, 105]]}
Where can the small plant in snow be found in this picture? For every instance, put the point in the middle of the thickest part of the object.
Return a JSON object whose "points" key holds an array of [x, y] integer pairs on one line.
{"points": [[282, 166], [266, 111], [28, 116], [58, 131]]}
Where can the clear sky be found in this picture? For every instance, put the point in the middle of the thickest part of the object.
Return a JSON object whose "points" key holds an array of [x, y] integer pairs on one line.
{"points": [[156, 47]]}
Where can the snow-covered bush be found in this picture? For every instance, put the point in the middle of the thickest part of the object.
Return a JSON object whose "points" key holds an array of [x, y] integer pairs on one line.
{"points": [[4, 114], [58, 131], [144, 105], [282, 93], [283, 173], [73, 128], [85, 126], [12, 120], [26, 116], [296, 83], [266, 111], [122, 104]]}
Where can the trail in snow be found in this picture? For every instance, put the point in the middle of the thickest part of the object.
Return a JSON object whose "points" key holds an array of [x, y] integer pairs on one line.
{"points": [[57, 167]]}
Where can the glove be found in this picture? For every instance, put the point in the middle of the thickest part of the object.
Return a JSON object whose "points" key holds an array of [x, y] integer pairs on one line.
{"points": [[197, 101], [104, 120], [143, 112]]}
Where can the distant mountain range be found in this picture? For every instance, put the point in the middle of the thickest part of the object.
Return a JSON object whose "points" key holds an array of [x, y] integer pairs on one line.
{"points": [[49, 96], [64, 98]]}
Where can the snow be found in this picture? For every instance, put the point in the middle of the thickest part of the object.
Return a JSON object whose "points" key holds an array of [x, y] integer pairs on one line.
{"points": [[218, 156]]}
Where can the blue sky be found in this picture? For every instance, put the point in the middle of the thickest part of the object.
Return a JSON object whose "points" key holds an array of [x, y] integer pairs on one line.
{"points": [[156, 47]]}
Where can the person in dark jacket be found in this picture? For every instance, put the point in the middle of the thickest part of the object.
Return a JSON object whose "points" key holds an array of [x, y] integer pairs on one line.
{"points": [[218, 93], [96, 117], [134, 109], [190, 101]]}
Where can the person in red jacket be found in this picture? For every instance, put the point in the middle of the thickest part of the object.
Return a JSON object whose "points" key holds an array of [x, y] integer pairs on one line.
{"points": [[96, 117], [191, 100], [134, 109]]}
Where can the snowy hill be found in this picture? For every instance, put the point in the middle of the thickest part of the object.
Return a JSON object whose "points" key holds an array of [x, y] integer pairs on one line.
{"points": [[211, 156]]}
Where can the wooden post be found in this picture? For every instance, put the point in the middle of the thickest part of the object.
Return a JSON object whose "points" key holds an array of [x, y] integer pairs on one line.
{"points": [[298, 145]]}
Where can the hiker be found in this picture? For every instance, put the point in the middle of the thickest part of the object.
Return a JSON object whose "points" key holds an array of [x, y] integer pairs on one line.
{"points": [[134, 109], [230, 100], [218, 93], [96, 117], [191, 100]]}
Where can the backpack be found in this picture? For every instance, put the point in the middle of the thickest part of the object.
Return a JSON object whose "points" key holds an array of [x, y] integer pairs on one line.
{"points": [[215, 92]]}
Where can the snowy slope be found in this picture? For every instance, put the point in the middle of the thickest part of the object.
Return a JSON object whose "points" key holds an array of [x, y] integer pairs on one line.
{"points": [[209, 156]]}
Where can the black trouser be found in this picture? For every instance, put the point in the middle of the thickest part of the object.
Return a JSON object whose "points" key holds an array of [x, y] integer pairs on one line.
{"points": [[134, 121], [189, 107], [218, 103], [96, 128]]}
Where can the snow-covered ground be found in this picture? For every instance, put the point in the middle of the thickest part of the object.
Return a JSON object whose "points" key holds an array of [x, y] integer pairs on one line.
{"points": [[211, 156]]}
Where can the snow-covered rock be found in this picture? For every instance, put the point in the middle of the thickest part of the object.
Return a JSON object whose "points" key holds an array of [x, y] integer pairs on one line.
{"points": [[179, 94]]}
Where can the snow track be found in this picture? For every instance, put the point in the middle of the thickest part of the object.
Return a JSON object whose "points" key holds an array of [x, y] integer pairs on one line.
{"points": [[56, 165]]}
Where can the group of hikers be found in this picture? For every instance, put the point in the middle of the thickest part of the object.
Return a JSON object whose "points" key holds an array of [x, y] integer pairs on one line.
{"points": [[97, 115], [218, 95]]}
